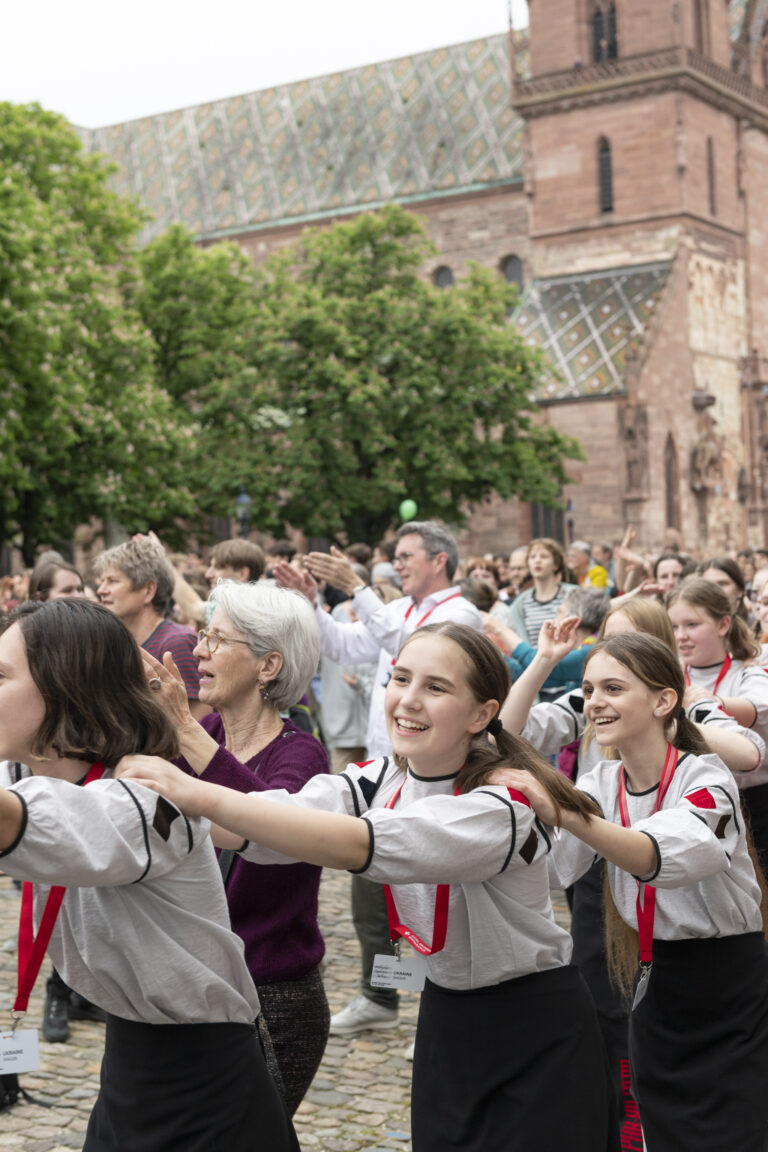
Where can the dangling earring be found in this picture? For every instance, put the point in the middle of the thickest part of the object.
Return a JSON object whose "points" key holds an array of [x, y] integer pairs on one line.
{"points": [[264, 690]]}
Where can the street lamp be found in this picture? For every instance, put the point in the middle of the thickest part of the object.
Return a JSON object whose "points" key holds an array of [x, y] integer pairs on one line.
{"points": [[242, 509]]}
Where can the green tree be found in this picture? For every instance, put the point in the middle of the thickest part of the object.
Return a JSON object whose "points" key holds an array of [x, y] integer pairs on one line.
{"points": [[199, 305], [359, 384], [84, 429]]}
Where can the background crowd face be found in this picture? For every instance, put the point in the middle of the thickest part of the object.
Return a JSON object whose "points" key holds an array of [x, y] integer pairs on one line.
{"points": [[65, 584], [415, 567], [116, 592], [541, 562], [700, 637], [668, 574], [724, 581]]}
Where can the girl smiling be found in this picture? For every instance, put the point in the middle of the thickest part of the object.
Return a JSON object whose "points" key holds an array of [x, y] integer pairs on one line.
{"points": [[718, 652], [467, 865], [681, 875]]}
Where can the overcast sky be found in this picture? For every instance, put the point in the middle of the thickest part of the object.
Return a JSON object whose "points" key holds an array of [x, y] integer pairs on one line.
{"points": [[99, 62]]}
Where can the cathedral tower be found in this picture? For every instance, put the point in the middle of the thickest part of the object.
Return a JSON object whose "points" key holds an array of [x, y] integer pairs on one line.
{"points": [[646, 149]]}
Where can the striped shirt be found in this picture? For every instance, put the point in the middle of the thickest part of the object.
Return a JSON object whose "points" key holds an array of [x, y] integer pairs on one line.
{"points": [[181, 642]]}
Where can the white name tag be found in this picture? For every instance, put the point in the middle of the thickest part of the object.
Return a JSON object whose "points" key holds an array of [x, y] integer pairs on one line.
{"points": [[19, 1051], [389, 972]]}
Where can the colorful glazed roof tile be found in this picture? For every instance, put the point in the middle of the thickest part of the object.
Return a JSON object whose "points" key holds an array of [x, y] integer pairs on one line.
{"points": [[427, 125], [586, 325]]}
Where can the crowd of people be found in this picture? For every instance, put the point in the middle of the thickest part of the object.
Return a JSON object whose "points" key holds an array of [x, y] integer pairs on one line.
{"points": [[460, 735]]}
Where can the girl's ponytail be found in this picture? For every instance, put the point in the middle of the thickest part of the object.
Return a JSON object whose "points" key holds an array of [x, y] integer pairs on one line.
{"points": [[740, 641], [510, 751]]}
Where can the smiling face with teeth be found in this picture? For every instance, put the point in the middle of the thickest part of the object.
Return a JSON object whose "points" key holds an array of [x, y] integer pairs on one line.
{"points": [[431, 710], [620, 705]]}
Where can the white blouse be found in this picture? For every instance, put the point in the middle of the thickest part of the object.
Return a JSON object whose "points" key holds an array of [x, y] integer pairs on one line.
{"points": [[704, 878], [487, 845], [143, 929]]}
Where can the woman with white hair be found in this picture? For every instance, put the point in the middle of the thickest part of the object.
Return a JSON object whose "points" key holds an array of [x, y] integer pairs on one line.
{"points": [[256, 657]]}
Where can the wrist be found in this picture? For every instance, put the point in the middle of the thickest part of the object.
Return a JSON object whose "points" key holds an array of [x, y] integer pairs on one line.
{"points": [[356, 589]]}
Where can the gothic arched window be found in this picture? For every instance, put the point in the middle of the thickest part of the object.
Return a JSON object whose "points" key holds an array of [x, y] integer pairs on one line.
{"points": [[605, 174], [442, 277], [598, 34], [511, 268], [611, 37]]}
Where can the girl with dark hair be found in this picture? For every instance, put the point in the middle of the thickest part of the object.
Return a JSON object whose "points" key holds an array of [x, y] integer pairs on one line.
{"points": [[55, 580], [726, 574], [136, 919], [718, 652], [686, 891], [467, 865]]}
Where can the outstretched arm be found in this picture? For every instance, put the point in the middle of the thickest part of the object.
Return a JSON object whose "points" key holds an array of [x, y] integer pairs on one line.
{"points": [[632, 851], [329, 839]]}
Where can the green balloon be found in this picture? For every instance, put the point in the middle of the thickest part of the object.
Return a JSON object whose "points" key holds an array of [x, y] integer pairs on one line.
{"points": [[408, 509]]}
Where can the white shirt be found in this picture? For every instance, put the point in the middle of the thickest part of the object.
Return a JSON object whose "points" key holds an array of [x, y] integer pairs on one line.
{"points": [[143, 930], [385, 627], [750, 682], [487, 845], [704, 879]]}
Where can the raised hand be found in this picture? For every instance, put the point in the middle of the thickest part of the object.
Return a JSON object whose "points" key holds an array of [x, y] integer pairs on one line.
{"points": [[335, 569], [287, 576], [172, 691], [557, 638]]}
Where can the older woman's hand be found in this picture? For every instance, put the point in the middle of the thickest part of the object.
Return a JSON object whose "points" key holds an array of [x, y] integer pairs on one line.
{"points": [[169, 688]]}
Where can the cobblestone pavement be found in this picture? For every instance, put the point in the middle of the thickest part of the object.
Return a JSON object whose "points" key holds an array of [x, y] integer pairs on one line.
{"points": [[358, 1101]]}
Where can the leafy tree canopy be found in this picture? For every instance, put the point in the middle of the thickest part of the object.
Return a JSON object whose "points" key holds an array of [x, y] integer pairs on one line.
{"points": [[84, 429], [355, 383]]}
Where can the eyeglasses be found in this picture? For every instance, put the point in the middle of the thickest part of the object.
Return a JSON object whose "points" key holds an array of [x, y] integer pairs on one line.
{"points": [[212, 639], [403, 558]]}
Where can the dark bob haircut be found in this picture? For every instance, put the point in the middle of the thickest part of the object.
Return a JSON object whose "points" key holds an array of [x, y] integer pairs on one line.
{"points": [[89, 672]]}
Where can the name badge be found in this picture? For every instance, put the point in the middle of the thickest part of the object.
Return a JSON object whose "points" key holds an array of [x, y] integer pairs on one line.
{"points": [[409, 972], [19, 1051]]}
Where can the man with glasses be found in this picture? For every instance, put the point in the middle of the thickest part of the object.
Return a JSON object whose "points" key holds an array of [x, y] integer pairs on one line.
{"points": [[136, 583], [426, 558]]}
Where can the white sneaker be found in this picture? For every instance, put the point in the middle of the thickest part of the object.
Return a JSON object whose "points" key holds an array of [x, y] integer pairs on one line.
{"points": [[360, 1015]]}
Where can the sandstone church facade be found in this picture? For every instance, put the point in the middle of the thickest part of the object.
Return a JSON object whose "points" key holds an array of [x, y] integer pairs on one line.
{"points": [[613, 162]]}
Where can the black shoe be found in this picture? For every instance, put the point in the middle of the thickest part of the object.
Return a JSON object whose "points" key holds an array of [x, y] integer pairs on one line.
{"points": [[82, 1009], [56, 1019]]}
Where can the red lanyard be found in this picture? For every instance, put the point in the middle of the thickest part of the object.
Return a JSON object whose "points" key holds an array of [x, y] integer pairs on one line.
{"points": [[453, 596], [440, 926], [646, 893], [32, 948], [724, 668]]}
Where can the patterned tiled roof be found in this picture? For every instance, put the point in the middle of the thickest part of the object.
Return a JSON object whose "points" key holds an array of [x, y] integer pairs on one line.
{"points": [[426, 125], [587, 324]]}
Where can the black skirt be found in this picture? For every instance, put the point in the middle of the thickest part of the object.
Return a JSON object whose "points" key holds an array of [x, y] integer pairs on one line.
{"points": [[511, 1068], [699, 1046], [186, 1088]]}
